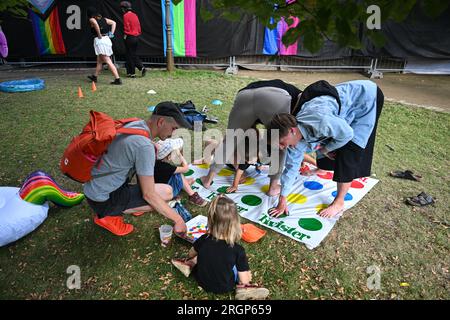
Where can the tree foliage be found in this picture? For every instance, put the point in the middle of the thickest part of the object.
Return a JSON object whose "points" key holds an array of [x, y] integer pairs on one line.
{"points": [[17, 8]]}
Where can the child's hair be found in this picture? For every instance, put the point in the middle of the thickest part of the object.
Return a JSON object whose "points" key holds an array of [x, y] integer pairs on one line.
{"points": [[223, 220]]}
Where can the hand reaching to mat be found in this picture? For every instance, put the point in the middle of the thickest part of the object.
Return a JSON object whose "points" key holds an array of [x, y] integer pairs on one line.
{"points": [[280, 208], [232, 189]]}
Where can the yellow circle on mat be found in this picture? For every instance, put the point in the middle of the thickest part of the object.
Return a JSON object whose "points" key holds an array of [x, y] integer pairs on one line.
{"points": [[296, 198], [265, 188], [225, 173], [249, 180], [321, 206], [203, 166]]}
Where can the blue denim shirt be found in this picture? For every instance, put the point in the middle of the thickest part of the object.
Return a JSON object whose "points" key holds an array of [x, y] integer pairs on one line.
{"points": [[319, 123]]}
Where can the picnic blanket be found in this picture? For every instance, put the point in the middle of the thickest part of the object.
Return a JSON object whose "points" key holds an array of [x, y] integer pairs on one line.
{"points": [[310, 194]]}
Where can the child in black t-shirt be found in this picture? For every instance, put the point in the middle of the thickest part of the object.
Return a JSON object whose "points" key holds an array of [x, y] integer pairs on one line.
{"points": [[218, 263]]}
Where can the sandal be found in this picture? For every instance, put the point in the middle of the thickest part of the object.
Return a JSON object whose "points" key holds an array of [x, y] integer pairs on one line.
{"points": [[421, 200], [408, 174]]}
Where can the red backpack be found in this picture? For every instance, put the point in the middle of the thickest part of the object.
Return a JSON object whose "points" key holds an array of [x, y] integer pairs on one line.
{"points": [[84, 150]]}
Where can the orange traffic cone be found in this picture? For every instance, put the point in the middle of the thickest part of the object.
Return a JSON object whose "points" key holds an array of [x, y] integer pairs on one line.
{"points": [[80, 93], [94, 87]]}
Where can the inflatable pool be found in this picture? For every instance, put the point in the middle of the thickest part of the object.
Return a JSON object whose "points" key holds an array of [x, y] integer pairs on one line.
{"points": [[22, 85]]}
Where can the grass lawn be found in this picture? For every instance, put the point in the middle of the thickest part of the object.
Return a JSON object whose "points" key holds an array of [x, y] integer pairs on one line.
{"points": [[410, 245]]}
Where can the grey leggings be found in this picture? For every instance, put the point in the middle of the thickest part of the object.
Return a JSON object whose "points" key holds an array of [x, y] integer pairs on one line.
{"points": [[250, 106]]}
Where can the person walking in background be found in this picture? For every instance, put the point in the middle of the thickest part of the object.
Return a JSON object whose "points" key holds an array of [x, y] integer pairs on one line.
{"points": [[132, 31], [102, 30]]}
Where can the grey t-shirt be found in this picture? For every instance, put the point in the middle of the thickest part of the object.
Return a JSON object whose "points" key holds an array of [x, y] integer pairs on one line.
{"points": [[126, 154]]}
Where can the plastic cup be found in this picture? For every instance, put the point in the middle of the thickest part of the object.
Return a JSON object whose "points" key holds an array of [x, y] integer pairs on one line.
{"points": [[165, 234]]}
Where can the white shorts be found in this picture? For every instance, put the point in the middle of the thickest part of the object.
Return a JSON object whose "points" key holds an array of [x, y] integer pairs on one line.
{"points": [[103, 46]]}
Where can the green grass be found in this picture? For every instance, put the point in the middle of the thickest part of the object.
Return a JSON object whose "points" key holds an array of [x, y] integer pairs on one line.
{"points": [[408, 244]]}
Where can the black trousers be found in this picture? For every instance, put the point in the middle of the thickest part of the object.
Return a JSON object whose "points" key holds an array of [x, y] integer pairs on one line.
{"points": [[128, 196], [133, 61], [352, 161]]}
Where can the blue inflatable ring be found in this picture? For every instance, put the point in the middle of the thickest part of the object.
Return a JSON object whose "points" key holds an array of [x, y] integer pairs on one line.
{"points": [[22, 85]]}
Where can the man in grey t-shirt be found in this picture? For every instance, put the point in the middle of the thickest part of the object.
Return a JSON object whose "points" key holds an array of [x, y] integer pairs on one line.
{"points": [[109, 193]]}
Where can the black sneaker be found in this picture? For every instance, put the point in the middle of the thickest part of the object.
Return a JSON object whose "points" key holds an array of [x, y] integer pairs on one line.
{"points": [[116, 81], [143, 72], [131, 75], [92, 78]]}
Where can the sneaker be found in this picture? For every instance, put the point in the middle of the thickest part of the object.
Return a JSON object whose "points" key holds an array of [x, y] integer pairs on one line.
{"points": [[143, 72], [117, 81], [183, 266], [251, 292], [92, 78], [114, 224], [131, 75], [197, 200]]}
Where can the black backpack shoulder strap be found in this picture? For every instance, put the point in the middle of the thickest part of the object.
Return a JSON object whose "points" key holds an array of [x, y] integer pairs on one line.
{"points": [[314, 90]]}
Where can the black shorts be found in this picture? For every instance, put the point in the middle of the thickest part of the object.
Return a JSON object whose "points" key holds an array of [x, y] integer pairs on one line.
{"points": [[351, 160], [128, 196]]}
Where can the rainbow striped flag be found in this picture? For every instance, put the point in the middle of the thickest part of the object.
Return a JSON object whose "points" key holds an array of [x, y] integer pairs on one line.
{"points": [[184, 30], [47, 33]]}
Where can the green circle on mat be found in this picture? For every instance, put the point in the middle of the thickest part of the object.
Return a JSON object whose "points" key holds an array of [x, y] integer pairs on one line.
{"points": [[251, 200], [284, 215], [223, 189], [200, 182], [189, 173], [310, 224]]}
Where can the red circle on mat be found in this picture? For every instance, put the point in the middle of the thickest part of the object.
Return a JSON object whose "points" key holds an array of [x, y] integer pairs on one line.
{"points": [[327, 176], [357, 185]]}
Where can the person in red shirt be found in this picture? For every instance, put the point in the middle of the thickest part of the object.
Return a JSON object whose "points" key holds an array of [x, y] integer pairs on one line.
{"points": [[132, 31]]}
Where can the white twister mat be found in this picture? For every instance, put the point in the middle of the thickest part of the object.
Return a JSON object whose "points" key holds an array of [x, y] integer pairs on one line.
{"points": [[310, 195]]}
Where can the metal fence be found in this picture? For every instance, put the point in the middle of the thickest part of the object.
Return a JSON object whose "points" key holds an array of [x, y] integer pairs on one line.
{"points": [[373, 66]]}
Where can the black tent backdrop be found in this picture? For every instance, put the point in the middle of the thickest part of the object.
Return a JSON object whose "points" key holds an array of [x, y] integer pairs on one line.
{"points": [[418, 36]]}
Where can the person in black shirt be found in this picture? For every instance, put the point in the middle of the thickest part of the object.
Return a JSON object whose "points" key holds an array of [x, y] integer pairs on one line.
{"points": [[217, 261], [102, 30]]}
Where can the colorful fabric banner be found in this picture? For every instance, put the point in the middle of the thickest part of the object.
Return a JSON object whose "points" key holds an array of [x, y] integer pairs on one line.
{"points": [[309, 196], [183, 18], [273, 39], [47, 33], [41, 5]]}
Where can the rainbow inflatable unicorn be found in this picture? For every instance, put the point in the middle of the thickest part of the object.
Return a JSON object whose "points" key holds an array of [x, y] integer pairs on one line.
{"points": [[23, 210]]}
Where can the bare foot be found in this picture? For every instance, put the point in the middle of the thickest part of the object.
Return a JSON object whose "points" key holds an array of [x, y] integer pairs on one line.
{"points": [[199, 161], [190, 181], [274, 190], [334, 209], [311, 172]]}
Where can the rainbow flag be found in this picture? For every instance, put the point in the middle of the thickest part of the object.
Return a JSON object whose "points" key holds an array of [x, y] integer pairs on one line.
{"points": [[47, 33], [273, 39], [184, 35]]}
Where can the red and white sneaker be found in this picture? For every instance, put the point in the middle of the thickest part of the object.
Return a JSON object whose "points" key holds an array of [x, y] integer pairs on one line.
{"points": [[183, 266], [251, 292]]}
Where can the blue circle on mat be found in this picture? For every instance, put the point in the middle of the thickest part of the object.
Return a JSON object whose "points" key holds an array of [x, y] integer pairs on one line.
{"points": [[347, 197], [151, 108], [216, 102], [313, 185]]}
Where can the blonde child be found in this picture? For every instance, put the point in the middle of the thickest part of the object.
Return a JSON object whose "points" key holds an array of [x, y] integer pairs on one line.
{"points": [[217, 261]]}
